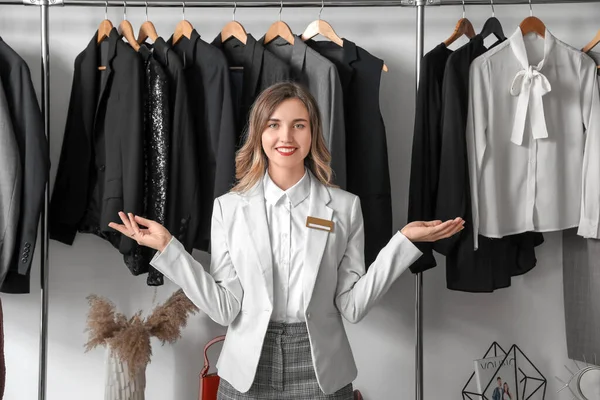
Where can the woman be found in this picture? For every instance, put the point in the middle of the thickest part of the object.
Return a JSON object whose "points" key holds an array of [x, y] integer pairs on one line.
{"points": [[506, 392], [287, 260]]}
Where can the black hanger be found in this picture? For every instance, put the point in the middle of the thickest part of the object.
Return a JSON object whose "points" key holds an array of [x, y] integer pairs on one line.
{"points": [[492, 25]]}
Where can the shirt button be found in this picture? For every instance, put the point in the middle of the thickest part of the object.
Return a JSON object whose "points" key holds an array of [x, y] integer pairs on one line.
{"points": [[102, 167], [307, 315]]}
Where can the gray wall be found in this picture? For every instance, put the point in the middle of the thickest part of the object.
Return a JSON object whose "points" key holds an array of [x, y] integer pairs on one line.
{"points": [[458, 326]]}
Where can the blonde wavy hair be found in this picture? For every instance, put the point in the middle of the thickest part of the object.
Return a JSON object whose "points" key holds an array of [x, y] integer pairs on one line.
{"points": [[251, 161]]}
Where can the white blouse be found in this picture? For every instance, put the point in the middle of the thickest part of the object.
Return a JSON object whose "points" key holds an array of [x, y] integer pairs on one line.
{"points": [[533, 138], [286, 217]]}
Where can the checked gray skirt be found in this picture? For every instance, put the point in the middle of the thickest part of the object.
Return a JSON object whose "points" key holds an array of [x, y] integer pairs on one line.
{"points": [[285, 370]]}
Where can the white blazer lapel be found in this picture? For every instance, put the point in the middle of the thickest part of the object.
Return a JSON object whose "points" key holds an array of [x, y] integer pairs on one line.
{"points": [[316, 239], [255, 216]]}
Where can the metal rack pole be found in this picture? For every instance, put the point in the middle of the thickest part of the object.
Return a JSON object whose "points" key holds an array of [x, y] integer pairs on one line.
{"points": [[229, 4], [420, 6], [44, 246]]}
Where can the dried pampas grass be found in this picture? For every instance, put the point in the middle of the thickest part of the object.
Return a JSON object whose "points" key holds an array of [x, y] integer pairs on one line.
{"points": [[130, 339]]}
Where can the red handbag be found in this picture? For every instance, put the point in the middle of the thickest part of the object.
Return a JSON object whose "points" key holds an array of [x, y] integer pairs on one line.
{"points": [[209, 383]]}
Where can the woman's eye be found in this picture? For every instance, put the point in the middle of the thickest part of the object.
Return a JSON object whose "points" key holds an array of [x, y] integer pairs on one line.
{"points": [[299, 126], [273, 126]]}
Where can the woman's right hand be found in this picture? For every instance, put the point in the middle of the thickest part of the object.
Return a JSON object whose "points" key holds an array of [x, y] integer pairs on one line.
{"points": [[152, 235]]}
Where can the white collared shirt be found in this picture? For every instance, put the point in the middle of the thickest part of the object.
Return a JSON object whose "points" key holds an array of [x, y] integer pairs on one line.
{"points": [[533, 138], [286, 217]]}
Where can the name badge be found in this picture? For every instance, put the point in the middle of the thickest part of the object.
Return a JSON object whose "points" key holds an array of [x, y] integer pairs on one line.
{"points": [[318, 223]]}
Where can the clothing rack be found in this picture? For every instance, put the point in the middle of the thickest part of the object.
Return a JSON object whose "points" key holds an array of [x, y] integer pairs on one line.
{"points": [[419, 5]]}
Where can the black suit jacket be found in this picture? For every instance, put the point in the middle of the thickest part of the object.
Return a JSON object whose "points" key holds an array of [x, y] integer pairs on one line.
{"points": [[261, 69], [427, 138], [28, 128], [209, 89], [367, 169], [101, 164]]}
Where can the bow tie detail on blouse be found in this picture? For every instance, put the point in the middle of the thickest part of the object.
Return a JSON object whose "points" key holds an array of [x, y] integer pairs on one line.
{"points": [[529, 85]]}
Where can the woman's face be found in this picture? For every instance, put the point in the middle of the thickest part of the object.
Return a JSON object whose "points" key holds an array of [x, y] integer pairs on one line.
{"points": [[287, 138], [505, 386]]}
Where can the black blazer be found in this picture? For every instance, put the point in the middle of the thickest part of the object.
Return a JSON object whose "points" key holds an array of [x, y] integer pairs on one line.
{"points": [[367, 170], [261, 69], [209, 89], [101, 164], [28, 129]]}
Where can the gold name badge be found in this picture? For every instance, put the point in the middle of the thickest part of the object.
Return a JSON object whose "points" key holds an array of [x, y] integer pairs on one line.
{"points": [[318, 223]]}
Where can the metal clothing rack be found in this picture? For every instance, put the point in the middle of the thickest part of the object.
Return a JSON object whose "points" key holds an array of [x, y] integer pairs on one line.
{"points": [[419, 5]]}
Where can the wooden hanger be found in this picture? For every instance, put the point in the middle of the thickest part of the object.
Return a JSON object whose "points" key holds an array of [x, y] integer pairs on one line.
{"points": [[592, 44], [234, 29], [183, 28], [104, 31], [105, 26], [323, 28], [126, 30], [532, 24], [279, 29], [147, 30], [463, 27]]}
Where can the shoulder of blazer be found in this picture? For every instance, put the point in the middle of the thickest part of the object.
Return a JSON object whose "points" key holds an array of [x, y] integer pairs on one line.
{"points": [[341, 200], [126, 54]]}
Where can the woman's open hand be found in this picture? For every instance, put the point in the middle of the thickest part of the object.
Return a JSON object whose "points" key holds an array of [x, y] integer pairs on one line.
{"points": [[152, 235], [431, 231]]}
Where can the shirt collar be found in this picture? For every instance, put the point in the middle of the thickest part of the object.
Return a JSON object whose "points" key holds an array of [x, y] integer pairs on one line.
{"points": [[517, 43], [296, 194]]}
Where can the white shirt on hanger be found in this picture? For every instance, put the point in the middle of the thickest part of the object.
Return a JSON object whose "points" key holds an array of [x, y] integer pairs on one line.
{"points": [[286, 217], [533, 138]]}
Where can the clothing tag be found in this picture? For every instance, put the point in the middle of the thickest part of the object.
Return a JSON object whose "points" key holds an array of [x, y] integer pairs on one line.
{"points": [[318, 223]]}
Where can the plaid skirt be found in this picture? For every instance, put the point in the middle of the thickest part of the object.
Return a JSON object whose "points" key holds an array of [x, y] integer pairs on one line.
{"points": [[285, 370]]}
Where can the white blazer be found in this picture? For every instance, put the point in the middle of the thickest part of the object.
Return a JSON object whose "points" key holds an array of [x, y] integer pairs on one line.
{"points": [[238, 292]]}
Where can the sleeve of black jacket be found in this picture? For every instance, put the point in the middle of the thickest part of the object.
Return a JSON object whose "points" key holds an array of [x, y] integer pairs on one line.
{"points": [[183, 201], [35, 164], [132, 154], [453, 188], [423, 170], [224, 136], [223, 140], [64, 215]]}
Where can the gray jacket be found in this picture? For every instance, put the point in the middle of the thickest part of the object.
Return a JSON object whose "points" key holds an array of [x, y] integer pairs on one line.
{"points": [[10, 187], [321, 77]]}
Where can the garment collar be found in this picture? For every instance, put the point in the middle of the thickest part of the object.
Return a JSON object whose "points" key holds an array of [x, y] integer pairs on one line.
{"points": [[517, 43], [298, 51], [187, 48], [296, 194]]}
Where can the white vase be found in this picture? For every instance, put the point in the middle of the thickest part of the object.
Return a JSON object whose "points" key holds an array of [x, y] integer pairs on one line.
{"points": [[119, 384]]}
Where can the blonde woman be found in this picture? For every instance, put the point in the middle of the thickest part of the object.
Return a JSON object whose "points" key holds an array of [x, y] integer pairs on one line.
{"points": [[287, 260]]}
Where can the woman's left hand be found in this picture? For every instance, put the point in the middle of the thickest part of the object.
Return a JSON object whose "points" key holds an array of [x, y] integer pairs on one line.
{"points": [[432, 231]]}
